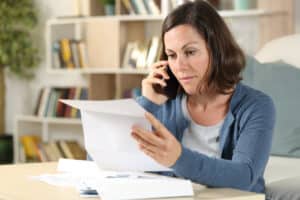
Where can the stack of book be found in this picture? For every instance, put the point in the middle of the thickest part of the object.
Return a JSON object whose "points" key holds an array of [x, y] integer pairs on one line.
{"points": [[69, 53], [33, 150], [48, 104], [141, 54], [141, 7]]}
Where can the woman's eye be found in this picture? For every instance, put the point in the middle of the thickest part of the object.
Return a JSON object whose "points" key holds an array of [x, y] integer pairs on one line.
{"points": [[190, 53], [171, 56]]}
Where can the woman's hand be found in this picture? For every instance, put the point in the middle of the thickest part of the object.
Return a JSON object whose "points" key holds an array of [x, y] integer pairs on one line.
{"points": [[157, 75], [160, 144]]}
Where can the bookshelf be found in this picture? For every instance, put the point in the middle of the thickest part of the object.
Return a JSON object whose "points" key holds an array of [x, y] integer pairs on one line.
{"points": [[105, 40], [48, 129]]}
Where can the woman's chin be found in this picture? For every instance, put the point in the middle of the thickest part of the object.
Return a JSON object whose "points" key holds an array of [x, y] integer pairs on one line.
{"points": [[190, 91]]}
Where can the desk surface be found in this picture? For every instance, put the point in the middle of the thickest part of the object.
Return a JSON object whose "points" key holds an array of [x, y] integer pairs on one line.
{"points": [[16, 184]]}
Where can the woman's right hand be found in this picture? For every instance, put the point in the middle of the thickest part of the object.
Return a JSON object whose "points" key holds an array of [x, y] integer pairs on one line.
{"points": [[157, 75]]}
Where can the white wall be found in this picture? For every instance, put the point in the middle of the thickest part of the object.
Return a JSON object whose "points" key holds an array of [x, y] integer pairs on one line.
{"points": [[21, 95], [297, 16]]}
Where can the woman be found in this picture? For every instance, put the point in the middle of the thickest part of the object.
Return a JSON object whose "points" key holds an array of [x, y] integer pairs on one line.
{"points": [[216, 131]]}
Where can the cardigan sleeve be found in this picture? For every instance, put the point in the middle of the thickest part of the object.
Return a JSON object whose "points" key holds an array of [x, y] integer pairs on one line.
{"points": [[148, 105]]}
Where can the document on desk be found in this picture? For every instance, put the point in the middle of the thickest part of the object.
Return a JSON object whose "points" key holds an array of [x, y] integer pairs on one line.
{"points": [[107, 134], [126, 185], [91, 181]]}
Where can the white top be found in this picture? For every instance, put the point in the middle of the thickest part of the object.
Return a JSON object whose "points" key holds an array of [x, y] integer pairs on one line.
{"points": [[202, 139]]}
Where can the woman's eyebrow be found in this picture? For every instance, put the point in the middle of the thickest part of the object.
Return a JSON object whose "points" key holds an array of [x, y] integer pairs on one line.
{"points": [[184, 46], [187, 44]]}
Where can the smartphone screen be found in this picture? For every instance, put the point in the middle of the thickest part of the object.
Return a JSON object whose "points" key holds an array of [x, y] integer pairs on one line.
{"points": [[172, 86]]}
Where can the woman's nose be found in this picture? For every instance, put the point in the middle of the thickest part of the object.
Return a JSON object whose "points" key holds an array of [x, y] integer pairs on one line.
{"points": [[181, 63]]}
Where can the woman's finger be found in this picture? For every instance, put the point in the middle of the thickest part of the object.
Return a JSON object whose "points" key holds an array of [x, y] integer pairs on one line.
{"points": [[156, 152], [161, 73], [151, 80], [150, 137], [140, 140], [159, 127], [149, 153], [159, 64]]}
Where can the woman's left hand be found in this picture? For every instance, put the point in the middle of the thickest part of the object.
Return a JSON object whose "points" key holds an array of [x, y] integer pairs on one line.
{"points": [[159, 144]]}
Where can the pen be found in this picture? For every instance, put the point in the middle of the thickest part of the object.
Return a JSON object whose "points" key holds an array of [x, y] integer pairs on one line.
{"points": [[130, 176]]}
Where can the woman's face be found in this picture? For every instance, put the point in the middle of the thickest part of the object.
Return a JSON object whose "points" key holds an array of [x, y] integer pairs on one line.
{"points": [[188, 56]]}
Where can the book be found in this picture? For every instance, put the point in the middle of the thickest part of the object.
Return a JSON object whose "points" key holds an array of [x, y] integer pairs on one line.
{"points": [[44, 101], [140, 7], [127, 62], [50, 153], [67, 111], [54, 150], [84, 94], [30, 145], [77, 151], [137, 58], [141, 59], [57, 60], [75, 53], [152, 7], [51, 104], [74, 111], [42, 153], [63, 93], [66, 53], [82, 54], [153, 51], [39, 99], [128, 6], [66, 150], [134, 6]]}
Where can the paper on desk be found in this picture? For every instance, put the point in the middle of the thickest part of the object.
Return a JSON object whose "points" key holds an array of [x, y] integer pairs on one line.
{"points": [[107, 134], [129, 185], [143, 188], [72, 173], [77, 166]]}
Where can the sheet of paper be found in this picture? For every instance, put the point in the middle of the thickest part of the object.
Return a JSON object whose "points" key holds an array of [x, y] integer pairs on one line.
{"points": [[126, 107], [130, 185], [107, 134], [72, 173], [143, 188], [77, 166]]}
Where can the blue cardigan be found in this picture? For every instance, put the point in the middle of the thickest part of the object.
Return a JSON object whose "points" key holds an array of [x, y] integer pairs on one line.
{"points": [[245, 141]]}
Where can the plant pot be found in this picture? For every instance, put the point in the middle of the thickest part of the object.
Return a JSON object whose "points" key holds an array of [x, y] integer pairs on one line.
{"points": [[109, 9], [6, 149], [242, 4]]}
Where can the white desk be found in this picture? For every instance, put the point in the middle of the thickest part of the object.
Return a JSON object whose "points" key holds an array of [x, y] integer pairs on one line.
{"points": [[16, 184]]}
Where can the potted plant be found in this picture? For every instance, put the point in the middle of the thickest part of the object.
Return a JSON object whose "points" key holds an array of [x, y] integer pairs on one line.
{"points": [[109, 6], [17, 51]]}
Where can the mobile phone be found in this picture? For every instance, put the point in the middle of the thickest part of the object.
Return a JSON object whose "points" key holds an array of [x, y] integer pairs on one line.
{"points": [[170, 90]]}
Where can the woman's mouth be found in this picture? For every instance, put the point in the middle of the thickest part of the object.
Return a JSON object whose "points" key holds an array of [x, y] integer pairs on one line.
{"points": [[186, 79]]}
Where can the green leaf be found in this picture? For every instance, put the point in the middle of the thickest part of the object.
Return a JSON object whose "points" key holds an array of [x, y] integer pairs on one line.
{"points": [[17, 46]]}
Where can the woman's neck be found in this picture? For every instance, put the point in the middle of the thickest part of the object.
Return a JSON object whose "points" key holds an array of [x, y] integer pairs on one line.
{"points": [[209, 100]]}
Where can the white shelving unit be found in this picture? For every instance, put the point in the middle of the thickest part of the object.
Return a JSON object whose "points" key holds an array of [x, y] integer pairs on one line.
{"points": [[48, 128]]}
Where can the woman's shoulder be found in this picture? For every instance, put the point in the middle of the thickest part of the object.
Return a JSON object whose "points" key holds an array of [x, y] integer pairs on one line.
{"points": [[152, 107], [246, 97]]}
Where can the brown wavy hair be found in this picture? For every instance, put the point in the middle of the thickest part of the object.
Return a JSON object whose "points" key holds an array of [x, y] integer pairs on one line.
{"points": [[227, 60]]}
